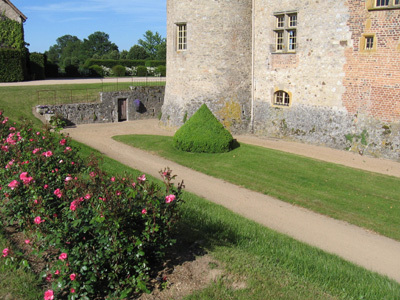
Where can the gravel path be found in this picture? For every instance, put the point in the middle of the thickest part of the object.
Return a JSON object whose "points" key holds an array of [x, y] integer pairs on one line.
{"points": [[360, 246]]}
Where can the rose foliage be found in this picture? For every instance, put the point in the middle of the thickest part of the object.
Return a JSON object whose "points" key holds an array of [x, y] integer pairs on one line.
{"points": [[99, 235]]}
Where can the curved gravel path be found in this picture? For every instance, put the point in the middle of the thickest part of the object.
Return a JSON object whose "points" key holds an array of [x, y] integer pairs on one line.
{"points": [[358, 245]]}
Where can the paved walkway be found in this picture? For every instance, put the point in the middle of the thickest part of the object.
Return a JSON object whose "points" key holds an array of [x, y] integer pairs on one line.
{"points": [[360, 246]]}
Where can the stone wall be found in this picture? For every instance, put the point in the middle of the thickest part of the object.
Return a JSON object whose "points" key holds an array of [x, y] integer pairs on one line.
{"points": [[107, 110], [9, 12]]}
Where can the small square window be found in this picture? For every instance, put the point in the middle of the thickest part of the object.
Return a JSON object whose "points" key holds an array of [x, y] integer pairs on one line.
{"points": [[292, 40], [279, 40], [369, 42], [293, 20], [281, 98]]}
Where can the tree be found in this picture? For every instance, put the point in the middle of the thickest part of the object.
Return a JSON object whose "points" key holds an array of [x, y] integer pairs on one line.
{"points": [[123, 54], [57, 52], [137, 52], [151, 43], [98, 43]]}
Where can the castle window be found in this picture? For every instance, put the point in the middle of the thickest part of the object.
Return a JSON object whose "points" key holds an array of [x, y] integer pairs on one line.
{"points": [[368, 43], [281, 98], [383, 4], [181, 44], [286, 32]]}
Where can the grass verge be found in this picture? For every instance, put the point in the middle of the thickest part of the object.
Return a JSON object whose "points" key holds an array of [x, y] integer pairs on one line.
{"points": [[362, 198]]}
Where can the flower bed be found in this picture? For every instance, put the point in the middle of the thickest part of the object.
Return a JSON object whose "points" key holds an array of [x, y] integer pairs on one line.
{"points": [[98, 234]]}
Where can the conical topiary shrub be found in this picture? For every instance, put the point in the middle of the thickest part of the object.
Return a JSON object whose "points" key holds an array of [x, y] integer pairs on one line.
{"points": [[203, 133]]}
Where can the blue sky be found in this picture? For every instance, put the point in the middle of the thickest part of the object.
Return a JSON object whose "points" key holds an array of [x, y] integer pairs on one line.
{"points": [[124, 20]]}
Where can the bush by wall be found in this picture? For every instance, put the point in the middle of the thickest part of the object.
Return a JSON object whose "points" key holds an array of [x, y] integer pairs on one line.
{"points": [[13, 65], [160, 71], [118, 71], [100, 233], [141, 71], [36, 66], [203, 133], [155, 63]]}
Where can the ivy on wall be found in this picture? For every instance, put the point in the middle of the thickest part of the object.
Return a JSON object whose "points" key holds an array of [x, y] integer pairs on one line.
{"points": [[11, 34]]}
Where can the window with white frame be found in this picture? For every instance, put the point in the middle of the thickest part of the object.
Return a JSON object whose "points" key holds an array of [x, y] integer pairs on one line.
{"points": [[281, 98], [286, 32], [181, 42], [383, 4]]}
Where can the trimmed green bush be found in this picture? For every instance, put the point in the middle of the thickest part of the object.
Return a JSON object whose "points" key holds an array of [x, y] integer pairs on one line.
{"points": [[141, 71], [155, 63], [118, 71], [36, 65], [13, 64], [96, 71], [203, 133], [161, 71]]}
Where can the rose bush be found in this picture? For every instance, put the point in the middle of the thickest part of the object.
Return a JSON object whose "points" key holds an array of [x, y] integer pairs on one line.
{"points": [[98, 234]]}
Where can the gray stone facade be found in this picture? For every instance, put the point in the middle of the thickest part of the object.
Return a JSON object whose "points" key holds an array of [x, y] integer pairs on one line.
{"points": [[11, 12], [108, 110], [232, 64]]}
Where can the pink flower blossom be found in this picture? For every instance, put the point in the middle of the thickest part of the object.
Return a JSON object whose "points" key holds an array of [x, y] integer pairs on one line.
{"points": [[72, 276], [38, 133], [68, 179], [144, 211], [6, 251], [48, 277], [57, 272], [169, 198], [27, 242], [5, 120], [13, 184], [36, 150], [46, 186], [92, 174], [47, 154], [118, 193], [112, 179], [63, 256], [72, 291], [74, 205], [4, 148], [67, 149], [35, 201], [133, 184], [58, 193], [87, 196], [49, 295], [63, 141], [12, 129], [142, 178], [38, 220], [25, 178]]}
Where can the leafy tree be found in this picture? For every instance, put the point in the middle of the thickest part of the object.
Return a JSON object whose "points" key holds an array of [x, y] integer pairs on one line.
{"points": [[98, 43], [58, 53], [137, 52], [151, 43], [123, 54]]}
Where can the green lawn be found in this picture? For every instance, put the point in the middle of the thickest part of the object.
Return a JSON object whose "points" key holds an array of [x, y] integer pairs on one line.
{"points": [[362, 198]]}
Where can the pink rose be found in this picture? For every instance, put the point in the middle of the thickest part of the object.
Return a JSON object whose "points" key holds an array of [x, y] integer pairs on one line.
{"points": [[13, 184], [72, 291], [47, 154], [72, 276], [48, 277], [169, 198], [36, 150], [144, 211], [92, 174], [49, 295], [38, 220], [25, 178], [63, 141], [74, 205], [46, 186], [68, 179], [142, 178], [112, 179], [58, 193], [27, 242], [87, 197], [63, 256], [6, 251], [57, 272]]}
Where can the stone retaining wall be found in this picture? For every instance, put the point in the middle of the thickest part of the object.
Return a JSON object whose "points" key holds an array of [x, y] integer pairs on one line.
{"points": [[108, 110]]}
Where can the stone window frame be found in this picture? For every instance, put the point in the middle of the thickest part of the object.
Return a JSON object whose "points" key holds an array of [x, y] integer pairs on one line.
{"points": [[181, 36], [285, 32], [382, 4], [365, 43], [282, 98]]}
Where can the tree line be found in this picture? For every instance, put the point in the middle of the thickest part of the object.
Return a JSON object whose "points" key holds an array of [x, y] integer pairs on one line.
{"points": [[69, 50]]}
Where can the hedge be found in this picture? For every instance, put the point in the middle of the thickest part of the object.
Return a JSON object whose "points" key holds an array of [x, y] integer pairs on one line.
{"points": [[13, 64], [36, 64], [11, 34], [109, 63]]}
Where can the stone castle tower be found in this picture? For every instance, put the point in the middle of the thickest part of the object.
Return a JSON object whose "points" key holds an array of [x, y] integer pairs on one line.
{"points": [[209, 59], [322, 72]]}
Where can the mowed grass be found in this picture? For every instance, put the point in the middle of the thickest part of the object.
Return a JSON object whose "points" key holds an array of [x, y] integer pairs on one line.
{"points": [[362, 198]]}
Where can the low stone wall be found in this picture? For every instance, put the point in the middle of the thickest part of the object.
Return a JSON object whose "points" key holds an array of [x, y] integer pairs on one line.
{"points": [[329, 127], [108, 110]]}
